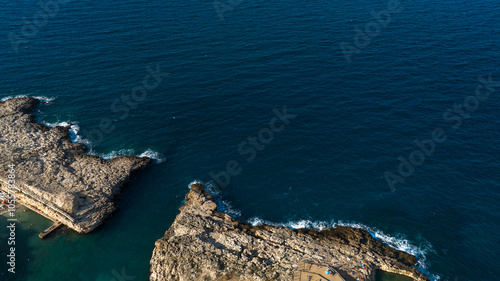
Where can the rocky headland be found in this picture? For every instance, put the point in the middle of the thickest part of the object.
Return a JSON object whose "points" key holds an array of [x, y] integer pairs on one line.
{"points": [[204, 244], [53, 175]]}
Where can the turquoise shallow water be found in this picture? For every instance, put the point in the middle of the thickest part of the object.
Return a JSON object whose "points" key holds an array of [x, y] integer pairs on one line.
{"points": [[225, 78]]}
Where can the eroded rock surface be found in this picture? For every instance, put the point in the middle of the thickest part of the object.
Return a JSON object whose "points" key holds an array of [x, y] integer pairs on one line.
{"points": [[204, 244], [54, 175]]}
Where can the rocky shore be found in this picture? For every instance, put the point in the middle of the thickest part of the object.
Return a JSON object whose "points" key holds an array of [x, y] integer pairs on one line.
{"points": [[204, 244], [53, 175]]}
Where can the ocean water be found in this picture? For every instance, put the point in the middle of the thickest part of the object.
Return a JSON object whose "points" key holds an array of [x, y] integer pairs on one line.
{"points": [[230, 70]]}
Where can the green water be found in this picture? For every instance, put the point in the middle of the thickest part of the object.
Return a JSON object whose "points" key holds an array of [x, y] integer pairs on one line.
{"points": [[387, 276], [29, 224]]}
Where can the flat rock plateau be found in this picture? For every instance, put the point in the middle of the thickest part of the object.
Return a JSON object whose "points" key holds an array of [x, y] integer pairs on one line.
{"points": [[53, 175], [204, 244]]}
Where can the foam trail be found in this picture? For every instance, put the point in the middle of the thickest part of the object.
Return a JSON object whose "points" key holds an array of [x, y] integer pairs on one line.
{"points": [[400, 242], [114, 154], [156, 156], [42, 98], [57, 124], [76, 138]]}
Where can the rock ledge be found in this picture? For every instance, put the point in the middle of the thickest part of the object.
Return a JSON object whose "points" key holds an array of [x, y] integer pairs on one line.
{"points": [[53, 175], [204, 244]]}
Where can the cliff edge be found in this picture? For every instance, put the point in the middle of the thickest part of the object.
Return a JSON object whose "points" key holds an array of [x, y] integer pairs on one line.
{"points": [[204, 244]]}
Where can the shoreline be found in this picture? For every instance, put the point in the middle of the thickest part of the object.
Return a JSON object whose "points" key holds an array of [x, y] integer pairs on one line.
{"points": [[56, 179], [204, 244], [54, 175]]}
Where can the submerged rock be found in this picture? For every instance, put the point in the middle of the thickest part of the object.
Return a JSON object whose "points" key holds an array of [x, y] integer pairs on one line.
{"points": [[204, 244], [53, 175]]}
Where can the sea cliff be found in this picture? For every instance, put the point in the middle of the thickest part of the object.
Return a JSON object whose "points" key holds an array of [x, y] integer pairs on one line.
{"points": [[53, 175], [204, 244]]}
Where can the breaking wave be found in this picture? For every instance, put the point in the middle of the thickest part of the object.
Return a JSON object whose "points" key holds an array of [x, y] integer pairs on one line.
{"points": [[73, 129], [57, 124], [42, 98], [156, 156]]}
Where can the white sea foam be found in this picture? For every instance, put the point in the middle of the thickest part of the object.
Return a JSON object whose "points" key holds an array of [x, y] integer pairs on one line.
{"points": [[42, 98], [75, 137], [56, 124], [195, 182], [320, 225], [74, 129], [399, 242], [156, 156], [114, 154]]}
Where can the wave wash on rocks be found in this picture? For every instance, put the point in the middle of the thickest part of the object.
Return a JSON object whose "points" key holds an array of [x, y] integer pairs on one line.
{"points": [[204, 244], [53, 174]]}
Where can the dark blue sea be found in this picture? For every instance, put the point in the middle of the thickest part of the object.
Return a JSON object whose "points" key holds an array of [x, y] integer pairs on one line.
{"points": [[378, 114]]}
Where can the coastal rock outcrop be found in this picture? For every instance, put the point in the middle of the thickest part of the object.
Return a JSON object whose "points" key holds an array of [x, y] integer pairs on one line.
{"points": [[204, 244], [53, 175]]}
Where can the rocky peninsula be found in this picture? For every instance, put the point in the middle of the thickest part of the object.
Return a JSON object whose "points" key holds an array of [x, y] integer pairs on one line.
{"points": [[53, 175], [204, 244]]}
